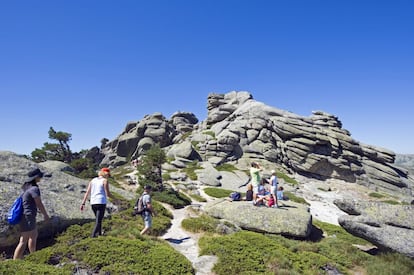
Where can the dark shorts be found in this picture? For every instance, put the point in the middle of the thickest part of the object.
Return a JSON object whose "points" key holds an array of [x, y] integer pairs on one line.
{"points": [[27, 223]]}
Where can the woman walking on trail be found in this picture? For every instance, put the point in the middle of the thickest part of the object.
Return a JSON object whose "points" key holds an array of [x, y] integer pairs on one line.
{"points": [[31, 202], [98, 188]]}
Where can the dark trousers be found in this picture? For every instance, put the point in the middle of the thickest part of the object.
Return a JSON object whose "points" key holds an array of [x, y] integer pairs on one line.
{"points": [[99, 211]]}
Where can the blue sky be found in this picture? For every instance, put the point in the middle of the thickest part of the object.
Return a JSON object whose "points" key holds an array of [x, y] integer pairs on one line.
{"points": [[89, 67]]}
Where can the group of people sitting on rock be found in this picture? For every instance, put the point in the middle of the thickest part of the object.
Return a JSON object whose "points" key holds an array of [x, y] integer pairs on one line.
{"points": [[259, 192]]}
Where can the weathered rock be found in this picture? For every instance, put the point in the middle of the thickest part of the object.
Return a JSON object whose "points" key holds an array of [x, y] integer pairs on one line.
{"points": [[387, 226], [61, 193], [293, 219]]}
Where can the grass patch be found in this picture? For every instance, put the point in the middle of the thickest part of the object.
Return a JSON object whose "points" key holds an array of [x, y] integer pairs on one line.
{"points": [[210, 133], [190, 170], [393, 202], [286, 178], [294, 198], [217, 192], [227, 167], [376, 195], [198, 198]]}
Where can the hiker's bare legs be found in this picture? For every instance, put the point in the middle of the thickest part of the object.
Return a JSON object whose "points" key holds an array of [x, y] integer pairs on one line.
{"points": [[33, 241], [25, 237], [145, 230]]}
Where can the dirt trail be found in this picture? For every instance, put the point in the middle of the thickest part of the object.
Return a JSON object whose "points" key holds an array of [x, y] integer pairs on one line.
{"points": [[187, 243]]}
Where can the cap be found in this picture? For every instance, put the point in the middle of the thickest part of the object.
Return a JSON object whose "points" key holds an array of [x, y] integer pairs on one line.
{"points": [[148, 187], [273, 171]]}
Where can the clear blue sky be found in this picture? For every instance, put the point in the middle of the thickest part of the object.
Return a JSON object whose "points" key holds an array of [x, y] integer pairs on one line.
{"points": [[89, 67]]}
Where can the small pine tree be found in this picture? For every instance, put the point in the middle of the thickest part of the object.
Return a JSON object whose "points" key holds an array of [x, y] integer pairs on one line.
{"points": [[150, 167]]}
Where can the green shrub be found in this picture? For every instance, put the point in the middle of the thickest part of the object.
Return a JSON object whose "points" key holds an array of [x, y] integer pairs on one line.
{"points": [[172, 197], [217, 192], [25, 267], [253, 253]]}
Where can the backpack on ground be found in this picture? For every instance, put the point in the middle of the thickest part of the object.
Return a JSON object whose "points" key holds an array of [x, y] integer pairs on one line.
{"points": [[139, 206], [16, 211], [235, 196]]}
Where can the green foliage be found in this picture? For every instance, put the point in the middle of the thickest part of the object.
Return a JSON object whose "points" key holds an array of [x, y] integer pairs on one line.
{"points": [[376, 195], [217, 192], [19, 267], [390, 263], [198, 198], [166, 176], [150, 167], [190, 170], [253, 253], [286, 178], [122, 250], [203, 223], [226, 167], [195, 143], [210, 133], [393, 202], [172, 197], [295, 198]]}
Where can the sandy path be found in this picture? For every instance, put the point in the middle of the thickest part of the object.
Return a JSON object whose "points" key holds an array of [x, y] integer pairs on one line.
{"points": [[187, 243]]}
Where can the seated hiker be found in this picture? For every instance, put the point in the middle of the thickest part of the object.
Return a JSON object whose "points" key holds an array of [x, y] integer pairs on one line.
{"points": [[270, 201], [249, 192], [280, 195]]}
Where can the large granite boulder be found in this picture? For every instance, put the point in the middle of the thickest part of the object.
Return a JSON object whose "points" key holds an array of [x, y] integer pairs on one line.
{"points": [[315, 146], [388, 226], [293, 219], [61, 193]]}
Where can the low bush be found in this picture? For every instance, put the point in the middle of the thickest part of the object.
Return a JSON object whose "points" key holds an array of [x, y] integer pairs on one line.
{"points": [[172, 197]]}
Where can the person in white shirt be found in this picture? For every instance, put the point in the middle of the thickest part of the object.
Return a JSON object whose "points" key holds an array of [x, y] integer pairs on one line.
{"points": [[98, 188]]}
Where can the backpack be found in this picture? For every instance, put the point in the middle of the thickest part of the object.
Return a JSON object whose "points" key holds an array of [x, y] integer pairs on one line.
{"points": [[139, 206], [15, 211], [235, 196]]}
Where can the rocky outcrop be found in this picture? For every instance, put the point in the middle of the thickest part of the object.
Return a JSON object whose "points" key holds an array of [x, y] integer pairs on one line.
{"points": [[387, 226], [239, 127], [315, 146], [61, 193], [292, 220], [139, 136]]}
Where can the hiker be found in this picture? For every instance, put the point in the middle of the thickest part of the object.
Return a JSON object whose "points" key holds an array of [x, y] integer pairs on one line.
{"points": [[148, 209], [280, 195], [255, 177], [262, 194], [273, 187], [98, 188], [249, 192], [31, 202]]}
